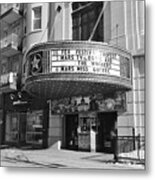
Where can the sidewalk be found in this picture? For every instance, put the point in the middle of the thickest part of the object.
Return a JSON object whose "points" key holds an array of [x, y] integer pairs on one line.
{"points": [[52, 158]]}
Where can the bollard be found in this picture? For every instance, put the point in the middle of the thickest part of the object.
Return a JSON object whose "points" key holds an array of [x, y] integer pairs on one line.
{"points": [[114, 144], [115, 149]]}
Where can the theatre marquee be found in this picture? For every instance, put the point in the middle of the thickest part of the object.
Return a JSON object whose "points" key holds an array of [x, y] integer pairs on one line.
{"points": [[67, 68]]}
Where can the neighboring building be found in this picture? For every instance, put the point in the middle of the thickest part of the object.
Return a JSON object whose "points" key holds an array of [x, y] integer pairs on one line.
{"points": [[23, 25], [125, 27], [11, 33], [72, 92]]}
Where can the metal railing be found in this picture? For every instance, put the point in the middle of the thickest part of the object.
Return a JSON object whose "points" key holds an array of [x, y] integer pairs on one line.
{"points": [[11, 39], [7, 6], [131, 147]]}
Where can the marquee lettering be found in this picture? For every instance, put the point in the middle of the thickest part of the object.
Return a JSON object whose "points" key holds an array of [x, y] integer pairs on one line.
{"points": [[97, 61]]}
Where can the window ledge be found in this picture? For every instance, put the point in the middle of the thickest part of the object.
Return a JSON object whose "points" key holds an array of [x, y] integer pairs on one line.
{"points": [[34, 31]]}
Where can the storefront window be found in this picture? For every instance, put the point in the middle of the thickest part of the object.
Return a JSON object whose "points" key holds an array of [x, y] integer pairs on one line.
{"points": [[34, 127]]}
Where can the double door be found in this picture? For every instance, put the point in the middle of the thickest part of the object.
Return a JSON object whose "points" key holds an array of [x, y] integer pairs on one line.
{"points": [[36, 130], [107, 126], [15, 128], [90, 132]]}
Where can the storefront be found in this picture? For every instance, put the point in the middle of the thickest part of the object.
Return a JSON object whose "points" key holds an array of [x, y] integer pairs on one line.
{"points": [[8, 83], [84, 85], [24, 125]]}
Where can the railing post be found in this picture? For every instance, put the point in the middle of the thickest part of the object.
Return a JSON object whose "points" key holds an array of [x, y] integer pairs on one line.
{"points": [[116, 147], [133, 135], [138, 150]]}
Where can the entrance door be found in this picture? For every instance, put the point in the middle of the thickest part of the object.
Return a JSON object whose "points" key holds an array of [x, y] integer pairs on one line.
{"points": [[15, 128], [12, 128], [71, 131], [34, 129], [106, 123]]}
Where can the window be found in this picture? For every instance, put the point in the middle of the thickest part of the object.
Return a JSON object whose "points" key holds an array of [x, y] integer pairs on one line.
{"points": [[84, 18], [141, 14], [15, 66], [36, 18]]}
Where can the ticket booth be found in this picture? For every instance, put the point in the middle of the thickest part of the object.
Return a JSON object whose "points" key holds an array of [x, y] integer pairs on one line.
{"points": [[90, 131]]}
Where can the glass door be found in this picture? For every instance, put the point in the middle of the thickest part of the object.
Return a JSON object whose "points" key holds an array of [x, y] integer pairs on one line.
{"points": [[12, 127], [34, 128]]}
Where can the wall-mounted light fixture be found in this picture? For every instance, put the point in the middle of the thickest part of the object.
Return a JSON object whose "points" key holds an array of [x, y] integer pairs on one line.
{"points": [[12, 97], [59, 8]]}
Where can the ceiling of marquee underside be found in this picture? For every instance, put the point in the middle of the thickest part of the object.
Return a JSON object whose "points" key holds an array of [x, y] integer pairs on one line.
{"points": [[56, 89]]}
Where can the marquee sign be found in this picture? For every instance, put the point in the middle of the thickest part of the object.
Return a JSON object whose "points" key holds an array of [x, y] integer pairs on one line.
{"points": [[103, 61], [89, 61], [63, 68], [85, 61]]}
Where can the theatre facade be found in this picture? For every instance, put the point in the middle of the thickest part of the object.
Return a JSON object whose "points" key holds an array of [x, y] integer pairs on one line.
{"points": [[77, 91], [75, 77]]}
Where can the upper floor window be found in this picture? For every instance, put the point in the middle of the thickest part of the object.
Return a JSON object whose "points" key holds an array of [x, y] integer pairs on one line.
{"points": [[84, 17], [36, 18]]}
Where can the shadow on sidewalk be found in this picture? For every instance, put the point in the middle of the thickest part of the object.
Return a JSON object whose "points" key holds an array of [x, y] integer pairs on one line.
{"points": [[107, 159], [133, 160], [53, 165]]}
